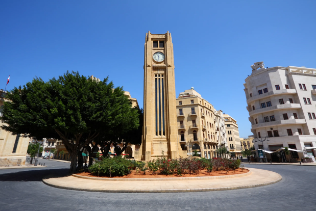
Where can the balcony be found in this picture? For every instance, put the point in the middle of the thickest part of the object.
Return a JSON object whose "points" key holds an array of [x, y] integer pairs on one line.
{"points": [[276, 107], [313, 91], [268, 94], [193, 113], [203, 115], [194, 126], [204, 127], [180, 114], [181, 127], [279, 123]]}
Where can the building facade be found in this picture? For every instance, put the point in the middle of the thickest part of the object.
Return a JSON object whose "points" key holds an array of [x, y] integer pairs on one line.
{"points": [[281, 104], [160, 119], [13, 148], [233, 139], [200, 127], [246, 143]]}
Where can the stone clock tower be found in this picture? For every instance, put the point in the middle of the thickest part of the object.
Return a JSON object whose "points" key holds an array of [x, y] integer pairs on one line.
{"points": [[160, 117]]}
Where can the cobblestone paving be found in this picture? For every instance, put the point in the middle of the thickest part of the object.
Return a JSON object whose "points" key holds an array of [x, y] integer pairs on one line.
{"points": [[22, 189]]}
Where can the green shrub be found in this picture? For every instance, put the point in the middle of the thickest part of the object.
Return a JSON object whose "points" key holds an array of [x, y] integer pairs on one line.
{"points": [[116, 166]]}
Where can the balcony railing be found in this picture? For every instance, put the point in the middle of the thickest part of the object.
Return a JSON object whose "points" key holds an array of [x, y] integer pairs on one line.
{"points": [[267, 94], [180, 114], [278, 123], [204, 127], [276, 107], [193, 113], [202, 114], [181, 127], [194, 126]]}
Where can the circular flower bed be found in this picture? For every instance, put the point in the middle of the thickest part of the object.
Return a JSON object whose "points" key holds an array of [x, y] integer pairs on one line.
{"points": [[118, 166]]}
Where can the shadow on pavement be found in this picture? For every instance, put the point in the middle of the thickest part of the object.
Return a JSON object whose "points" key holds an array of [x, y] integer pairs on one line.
{"points": [[34, 175]]}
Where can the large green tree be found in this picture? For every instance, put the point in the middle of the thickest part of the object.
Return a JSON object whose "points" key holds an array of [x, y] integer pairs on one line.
{"points": [[73, 108]]}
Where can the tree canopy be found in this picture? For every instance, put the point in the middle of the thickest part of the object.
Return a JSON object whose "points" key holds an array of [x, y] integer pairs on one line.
{"points": [[73, 108]]}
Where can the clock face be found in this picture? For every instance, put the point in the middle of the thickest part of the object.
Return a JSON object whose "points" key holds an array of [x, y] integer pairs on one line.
{"points": [[159, 57]]}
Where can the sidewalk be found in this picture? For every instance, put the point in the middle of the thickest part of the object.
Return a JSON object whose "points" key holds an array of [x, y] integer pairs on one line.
{"points": [[64, 161], [294, 164], [255, 178], [22, 167]]}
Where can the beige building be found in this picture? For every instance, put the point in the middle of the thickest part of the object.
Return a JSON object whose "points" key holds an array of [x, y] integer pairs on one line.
{"points": [[233, 139], [281, 104], [160, 132], [13, 148], [246, 143], [199, 125]]}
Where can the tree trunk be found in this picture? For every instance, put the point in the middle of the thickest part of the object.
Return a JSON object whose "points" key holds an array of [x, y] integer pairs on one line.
{"points": [[73, 159], [80, 160]]}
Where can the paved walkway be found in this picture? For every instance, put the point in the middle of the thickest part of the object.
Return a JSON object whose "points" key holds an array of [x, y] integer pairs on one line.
{"points": [[294, 164], [255, 178]]}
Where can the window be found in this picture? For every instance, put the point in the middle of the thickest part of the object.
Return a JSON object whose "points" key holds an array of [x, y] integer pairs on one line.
{"points": [[260, 91], [269, 104], [181, 124], [182, 136], [287, 86], [265, 90], [304, 100], [270, 134], [253, 108], [285, 117], [256, 121], [281, 101], [228, 125], [263, 105], [192, 110], [295, 115], [291, 100], [272, 118], [194, 135], [251, 94], [192, 101], [276, 133], [289, 132], [277, 87], [161, 44], [180, 111], [300, 85], [314, 116], [304, 87], [16, 143], [259, 135], [313, 86], [155, 44], [266, 119], [299, 131], [180, 102], [309, 101], [309, 115], [314, 129]]}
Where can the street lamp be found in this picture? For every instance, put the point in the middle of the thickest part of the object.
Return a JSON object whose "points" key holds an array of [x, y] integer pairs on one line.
{"points": [[260, 140]]}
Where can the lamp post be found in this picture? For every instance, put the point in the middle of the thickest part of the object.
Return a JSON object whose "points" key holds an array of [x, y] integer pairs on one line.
{"points": [[260, 140]]}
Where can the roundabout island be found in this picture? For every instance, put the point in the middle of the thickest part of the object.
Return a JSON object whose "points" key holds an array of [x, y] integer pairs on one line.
{"points": [[253, 178]]}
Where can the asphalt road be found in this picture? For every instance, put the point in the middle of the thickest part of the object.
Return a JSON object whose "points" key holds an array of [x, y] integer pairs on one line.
{"points": [[22, 189]]}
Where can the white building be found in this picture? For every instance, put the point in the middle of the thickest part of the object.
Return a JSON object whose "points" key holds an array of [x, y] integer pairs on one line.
{"points": [[282, 107]]}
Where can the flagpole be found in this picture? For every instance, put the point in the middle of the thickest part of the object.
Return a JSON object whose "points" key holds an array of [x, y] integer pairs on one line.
{"points": [[5, 88]]}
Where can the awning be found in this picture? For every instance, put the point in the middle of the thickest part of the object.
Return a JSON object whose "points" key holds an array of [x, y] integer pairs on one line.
{"points": [[310, 147], [267, 151], [295, 150]]}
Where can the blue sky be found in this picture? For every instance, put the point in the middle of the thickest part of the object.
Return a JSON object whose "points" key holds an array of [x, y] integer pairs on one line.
{"points": [[215, 42]]}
